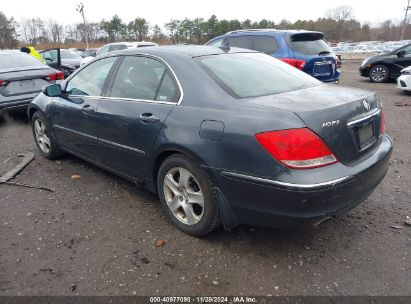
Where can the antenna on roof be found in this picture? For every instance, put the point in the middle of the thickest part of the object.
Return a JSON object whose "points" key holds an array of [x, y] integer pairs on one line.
{"points": [[226, 45]]}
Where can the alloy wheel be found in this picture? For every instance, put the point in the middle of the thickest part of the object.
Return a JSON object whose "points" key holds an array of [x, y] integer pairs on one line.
{"points": [[183, 195], [42, 138], [378, 74]]}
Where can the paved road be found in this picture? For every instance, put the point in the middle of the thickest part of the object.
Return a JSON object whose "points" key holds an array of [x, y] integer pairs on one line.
{"points": [[94, 235]]}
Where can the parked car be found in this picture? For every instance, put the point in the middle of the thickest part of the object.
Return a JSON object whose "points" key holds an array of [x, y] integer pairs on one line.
{"points": [[222, 136], [381, 68], [116, 46], [404, 81], [60, 59], [89, 53], [304, 50], [21, 78], [366, 48]]}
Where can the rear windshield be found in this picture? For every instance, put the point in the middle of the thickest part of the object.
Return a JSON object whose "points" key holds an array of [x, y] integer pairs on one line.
{"points": [[308, 45], [255, 74], [18, 60]]}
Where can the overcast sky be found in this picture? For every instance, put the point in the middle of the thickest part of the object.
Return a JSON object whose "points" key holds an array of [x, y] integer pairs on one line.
{"points": [[161, 11]]}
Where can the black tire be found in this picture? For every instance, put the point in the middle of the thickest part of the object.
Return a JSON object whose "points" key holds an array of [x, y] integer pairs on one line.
{"points": [[54, 151], [210, 218], [379, 73]]}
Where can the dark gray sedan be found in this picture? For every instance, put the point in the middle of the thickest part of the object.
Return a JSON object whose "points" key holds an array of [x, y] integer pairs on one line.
{"points": [[21, 78], [222, 136]]}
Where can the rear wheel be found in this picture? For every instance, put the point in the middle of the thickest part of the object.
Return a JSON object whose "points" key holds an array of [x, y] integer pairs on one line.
{"points": [[42, 136], [379, 73], [187, 196]]}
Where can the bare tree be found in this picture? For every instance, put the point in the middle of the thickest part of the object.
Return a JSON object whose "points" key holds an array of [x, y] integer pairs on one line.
{"points": [[56, 31], [342, 15]]}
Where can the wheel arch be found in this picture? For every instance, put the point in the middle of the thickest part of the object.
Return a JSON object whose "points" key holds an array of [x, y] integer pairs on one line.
{"points": [[158, 157]]}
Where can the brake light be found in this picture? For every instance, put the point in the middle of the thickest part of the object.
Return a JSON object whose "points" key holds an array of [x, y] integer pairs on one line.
{"points": [[299, 64], [382, 123], [297, 148], [2, 83], [57, 76]]}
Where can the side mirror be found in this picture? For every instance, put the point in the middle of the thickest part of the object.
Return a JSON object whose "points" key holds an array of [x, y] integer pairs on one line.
{"points": [[53, 90], [401, 53]]}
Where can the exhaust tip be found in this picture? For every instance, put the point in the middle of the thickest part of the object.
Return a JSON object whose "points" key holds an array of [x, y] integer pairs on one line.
{"points": [[326, 219]]}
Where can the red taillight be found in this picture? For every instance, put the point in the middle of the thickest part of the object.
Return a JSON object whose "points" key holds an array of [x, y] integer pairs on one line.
{"points": [[299, 64], [297, 148], [57, 76], [382, 123], [2, 83]]}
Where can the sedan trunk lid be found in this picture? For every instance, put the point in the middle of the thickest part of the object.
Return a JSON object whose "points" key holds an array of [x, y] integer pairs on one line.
{"points": [[347, 119]]}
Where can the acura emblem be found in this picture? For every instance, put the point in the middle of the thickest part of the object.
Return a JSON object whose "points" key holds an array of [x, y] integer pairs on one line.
{"points": [[366, 105]]}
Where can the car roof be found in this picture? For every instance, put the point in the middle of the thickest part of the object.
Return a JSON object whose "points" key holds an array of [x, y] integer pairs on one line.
{"points": [[271, 31], [189, 50]]}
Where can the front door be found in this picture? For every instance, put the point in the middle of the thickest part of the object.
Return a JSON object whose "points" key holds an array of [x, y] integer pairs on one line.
{"points": [[401, 62], [74, 114], [142, 94], [52, 58]]}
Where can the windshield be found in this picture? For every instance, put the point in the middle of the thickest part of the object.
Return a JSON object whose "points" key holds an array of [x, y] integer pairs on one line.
{"points": [[255, 74], [69, 55], [18, 60]]}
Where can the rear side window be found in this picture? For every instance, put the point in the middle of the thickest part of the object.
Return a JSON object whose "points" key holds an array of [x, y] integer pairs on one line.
{"points": [[245, 42], [265, 44], [18, 60], [90, 80], [117, 47], [309, 44], [254, 74], [144, 78]]}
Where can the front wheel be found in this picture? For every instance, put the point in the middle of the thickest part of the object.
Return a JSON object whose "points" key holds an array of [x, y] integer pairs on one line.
{"points": [[42, 136], [379, 73], [187, 196]]}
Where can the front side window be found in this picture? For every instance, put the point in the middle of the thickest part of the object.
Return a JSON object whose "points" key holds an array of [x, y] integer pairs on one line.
{"points": [[254, 74], [144, 78], [90, 80], [407, 50], [50, 56], [103, 50], [216, 42]]}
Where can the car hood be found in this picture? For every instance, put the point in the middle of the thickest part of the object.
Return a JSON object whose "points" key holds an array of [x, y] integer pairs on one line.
{"points": [[378, 57], [406, 69]]}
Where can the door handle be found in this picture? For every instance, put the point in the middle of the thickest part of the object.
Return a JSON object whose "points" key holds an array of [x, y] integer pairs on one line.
{"points": [[148, 118], [87, 108]]}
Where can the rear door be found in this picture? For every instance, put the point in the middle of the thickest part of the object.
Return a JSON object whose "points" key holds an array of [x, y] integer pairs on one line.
{"points": [[141, 95], [74, 115]]}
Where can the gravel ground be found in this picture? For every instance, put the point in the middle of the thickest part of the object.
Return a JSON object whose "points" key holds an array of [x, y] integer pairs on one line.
{"points": [[95, 235]]}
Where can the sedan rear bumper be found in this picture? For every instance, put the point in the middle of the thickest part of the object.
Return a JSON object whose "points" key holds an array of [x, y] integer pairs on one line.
{"points": [[16, 104], [275, 203]]}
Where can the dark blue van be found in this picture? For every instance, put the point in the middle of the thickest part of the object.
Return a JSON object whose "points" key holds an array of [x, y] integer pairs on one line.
{"points": [[306, 50]]}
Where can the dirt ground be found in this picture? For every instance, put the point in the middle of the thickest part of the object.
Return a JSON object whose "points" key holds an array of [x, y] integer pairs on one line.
{"points": [[95, 235]]}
